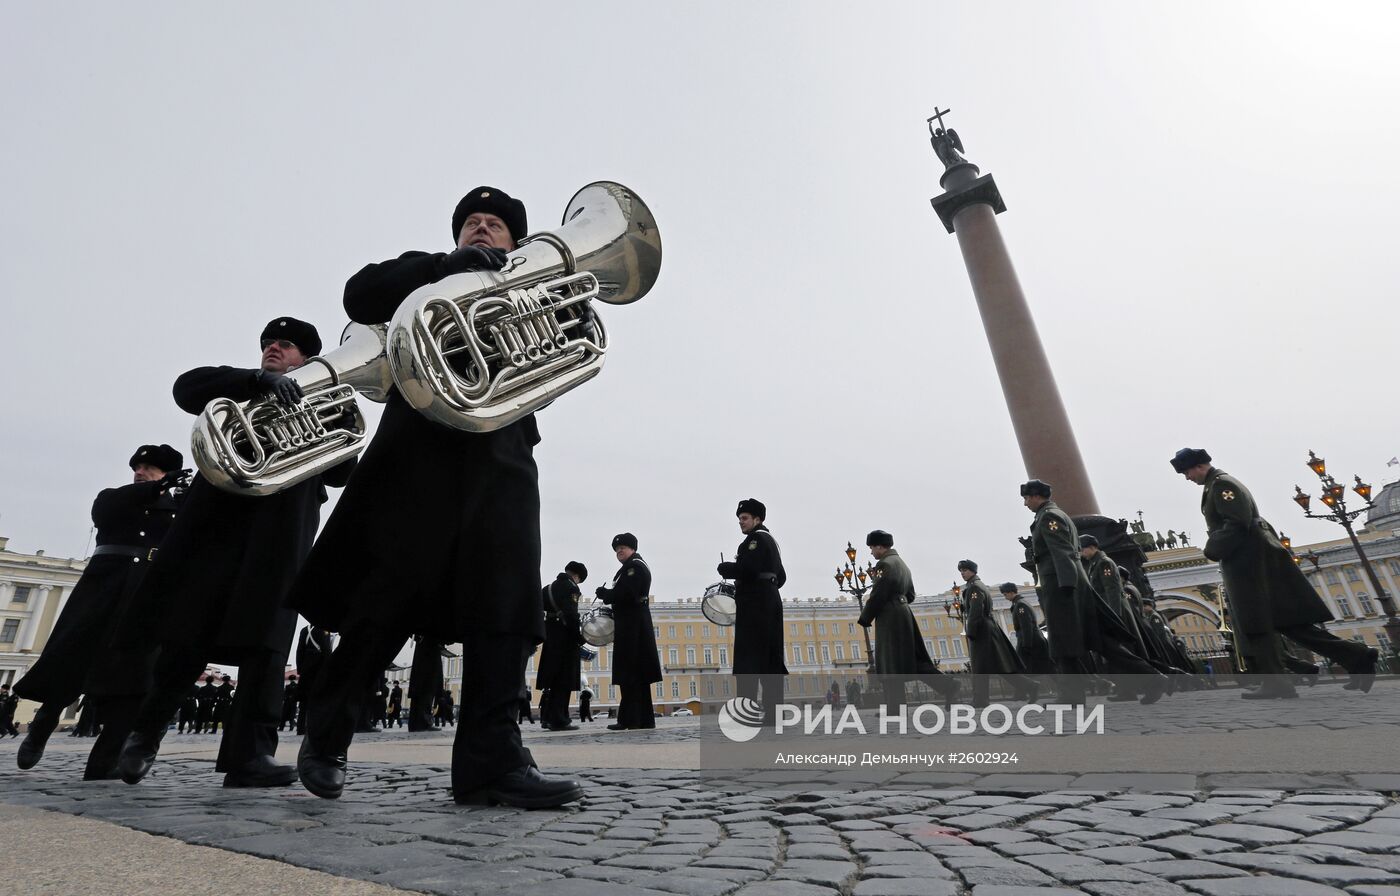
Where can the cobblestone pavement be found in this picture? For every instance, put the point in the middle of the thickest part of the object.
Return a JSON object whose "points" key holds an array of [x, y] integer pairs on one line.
{"points": [[644, 831]]}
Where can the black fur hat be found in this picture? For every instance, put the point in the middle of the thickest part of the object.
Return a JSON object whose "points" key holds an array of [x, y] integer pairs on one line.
{"points": [[493, 202], [879, 537], [162, 457], [576, 568], [1187, 458], [293, 330], [626, 538], [1036, 487]]}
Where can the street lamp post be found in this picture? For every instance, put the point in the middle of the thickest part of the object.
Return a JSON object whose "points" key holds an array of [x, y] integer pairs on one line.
{"points": [[1334, 497], [851, 579]]}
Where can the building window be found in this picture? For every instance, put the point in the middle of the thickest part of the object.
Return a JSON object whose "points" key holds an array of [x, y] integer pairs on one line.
{"points": [[792, 629], [809, 628], [1367, 608], [1395, 566], [821, 628], [942, 647], [675, 688], [709, 686], [855, 651], [704, 631], [673, 656], [957, 647], [1343, 607], [838, 653], [724, 657], [690, 657], [709, 656], [694, 688], [826, 654], [850, 628], [21, 594], [1331, 576], [1351, 574], [811, 654], [9, 631], [670, 631], [690, 631], [726, 687], [612, 692], [658, 689]]}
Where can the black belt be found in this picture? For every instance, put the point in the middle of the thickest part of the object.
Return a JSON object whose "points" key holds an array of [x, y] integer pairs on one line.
{"points": [[126, 550]]}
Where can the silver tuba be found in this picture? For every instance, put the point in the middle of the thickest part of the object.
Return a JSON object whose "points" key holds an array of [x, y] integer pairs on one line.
{"points": [[263, 446], [479, 350]]}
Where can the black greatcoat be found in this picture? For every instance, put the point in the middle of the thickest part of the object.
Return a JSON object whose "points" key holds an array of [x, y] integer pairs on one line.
{"points": [[758, 573], [634, 647], [560, 665], [447, 522], [221, 578], [135, 515], [1265, 588]]}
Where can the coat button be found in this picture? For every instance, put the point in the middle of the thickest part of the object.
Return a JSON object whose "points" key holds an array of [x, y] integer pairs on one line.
{"points": [[142, 534], [135, 559]]}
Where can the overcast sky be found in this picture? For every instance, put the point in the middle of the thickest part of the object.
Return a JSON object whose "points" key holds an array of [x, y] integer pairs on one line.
{"points": [[1200, 205]]}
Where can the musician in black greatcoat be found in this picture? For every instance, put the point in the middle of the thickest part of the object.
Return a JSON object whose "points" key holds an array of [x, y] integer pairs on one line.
{"points": [[560, 663], [757, 571], [131, 520], [289, 704], [448, 522], [218, 587], [636, 667], [223, 699], [208, 699]]}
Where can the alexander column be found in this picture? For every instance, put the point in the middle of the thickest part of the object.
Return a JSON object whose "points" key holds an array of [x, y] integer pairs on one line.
{"points": [[968, 207]]}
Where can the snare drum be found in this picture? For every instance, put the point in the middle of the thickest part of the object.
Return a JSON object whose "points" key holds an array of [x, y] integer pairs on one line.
{"points": [[598, 626], [719, 605]]}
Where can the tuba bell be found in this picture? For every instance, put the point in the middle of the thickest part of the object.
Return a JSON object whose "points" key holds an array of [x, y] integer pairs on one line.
{"points": [[477, 351], [263, 446]]}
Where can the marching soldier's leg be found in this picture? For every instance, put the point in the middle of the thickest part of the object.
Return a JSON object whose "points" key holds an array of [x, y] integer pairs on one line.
{"points": [[1265, 655], [174, 670], [31, 749], [117, 714], [1358, 659]]}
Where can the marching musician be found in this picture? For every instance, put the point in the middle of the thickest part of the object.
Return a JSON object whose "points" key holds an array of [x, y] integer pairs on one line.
{"points": [[1031, 645], [449, 522], [636, 666], [216, 592], [758, 573], [560, 664], [131, 520]]}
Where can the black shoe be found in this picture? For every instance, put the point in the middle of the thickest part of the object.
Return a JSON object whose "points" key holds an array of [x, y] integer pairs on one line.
{"points": [[566, 728], [138, 755], [31, 749], [1363, 676], [261, 771], [1271, 692], [1156, 687], [321, 773], [110, 774], [617, 727], [524, 788]]}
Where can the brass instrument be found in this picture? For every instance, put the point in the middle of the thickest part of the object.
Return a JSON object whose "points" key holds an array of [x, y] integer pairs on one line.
{"points": [[261, 447], [1224, 629], [477, 351]]}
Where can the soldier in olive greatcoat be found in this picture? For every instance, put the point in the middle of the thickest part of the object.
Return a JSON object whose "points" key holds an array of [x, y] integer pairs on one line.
{"points": [[900, 652], [1268, 595], [991, 650]]}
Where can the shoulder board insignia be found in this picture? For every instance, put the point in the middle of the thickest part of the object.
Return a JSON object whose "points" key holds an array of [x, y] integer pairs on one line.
{"points": [[1228, 495], [753, 544], [1053, 525], [631, 572], [1107, 573]]}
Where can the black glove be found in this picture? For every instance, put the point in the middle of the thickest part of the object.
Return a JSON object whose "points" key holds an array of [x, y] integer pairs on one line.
{"points": [[174, 479], [283, 388], [728, 569], [474, 258]]}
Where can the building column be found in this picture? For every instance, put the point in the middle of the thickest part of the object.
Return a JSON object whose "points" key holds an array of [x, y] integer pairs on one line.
{"points": [[36, 619]]}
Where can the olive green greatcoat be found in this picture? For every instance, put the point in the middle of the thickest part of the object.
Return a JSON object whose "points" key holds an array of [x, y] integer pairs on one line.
{"points": [[1265, 588], [1054, 549], [899, 646], [992, 653], [1102, 572]]}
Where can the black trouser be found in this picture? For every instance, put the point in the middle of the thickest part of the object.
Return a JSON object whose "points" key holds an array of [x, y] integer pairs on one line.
{"points": [[201, 719], [772, 685], [487, 744], [634, 706], [250, 721], [1267, 652], [555, 711], [982, 685]]}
